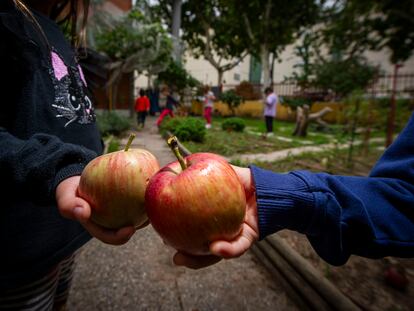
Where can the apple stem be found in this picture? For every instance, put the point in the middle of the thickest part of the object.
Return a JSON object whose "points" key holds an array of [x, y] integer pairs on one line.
{"points": [[128, 145], [173, 143]]}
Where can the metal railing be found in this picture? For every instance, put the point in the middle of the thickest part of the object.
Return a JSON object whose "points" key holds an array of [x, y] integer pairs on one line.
{"points": [[381, 87]]}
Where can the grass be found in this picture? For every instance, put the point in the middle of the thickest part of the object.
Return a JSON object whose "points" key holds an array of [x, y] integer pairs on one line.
{"points": [[333, 162], [251, 140]]}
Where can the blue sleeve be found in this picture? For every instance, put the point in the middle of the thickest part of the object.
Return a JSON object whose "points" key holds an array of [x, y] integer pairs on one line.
{"points": [[341, 215]]}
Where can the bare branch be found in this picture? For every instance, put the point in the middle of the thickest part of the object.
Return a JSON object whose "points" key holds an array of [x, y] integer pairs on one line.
{"points": [[207, 50], [230, 66], [248, 27]]}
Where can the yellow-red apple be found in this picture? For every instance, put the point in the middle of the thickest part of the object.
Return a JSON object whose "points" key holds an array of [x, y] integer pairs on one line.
{"points": [[114, 185]]}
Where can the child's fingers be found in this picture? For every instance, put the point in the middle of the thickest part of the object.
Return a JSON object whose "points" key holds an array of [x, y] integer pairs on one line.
{"points": [[113, 237], [230, 249], [195, 262], [235, 248]]}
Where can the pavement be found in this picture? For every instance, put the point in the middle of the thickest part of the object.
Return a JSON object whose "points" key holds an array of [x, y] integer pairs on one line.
{"points": [[140, 275]]}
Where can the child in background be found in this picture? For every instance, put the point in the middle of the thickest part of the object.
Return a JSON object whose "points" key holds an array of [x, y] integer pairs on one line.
{"points": [[170, 102], [47, 136], [208, 101], [142, 106]]}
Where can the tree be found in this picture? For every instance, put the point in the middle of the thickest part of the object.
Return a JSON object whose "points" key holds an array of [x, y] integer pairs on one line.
{"points": [[134, 43], [267, 27], [208, 32], [371, 24], [177, 77], [306, 52], [358, 25], [344, 76]]}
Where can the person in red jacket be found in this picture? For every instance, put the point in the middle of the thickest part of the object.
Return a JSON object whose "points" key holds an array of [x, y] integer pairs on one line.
{"points": [[142, 106]]}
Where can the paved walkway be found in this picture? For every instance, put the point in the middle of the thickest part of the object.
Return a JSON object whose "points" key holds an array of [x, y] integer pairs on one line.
{"points": [[140, 275]]}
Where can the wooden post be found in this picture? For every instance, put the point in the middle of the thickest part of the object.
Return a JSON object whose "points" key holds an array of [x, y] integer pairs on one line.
{"points": [[391, 116]]}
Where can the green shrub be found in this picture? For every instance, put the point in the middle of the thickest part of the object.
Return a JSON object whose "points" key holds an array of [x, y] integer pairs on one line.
{"points": [[232, 100], [111, 123], [170, 124], [233, 124], [113, 145], [191, 129], [186, 129]]}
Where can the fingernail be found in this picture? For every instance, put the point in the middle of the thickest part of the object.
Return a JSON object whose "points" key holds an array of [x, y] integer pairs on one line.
{"points": [[78, 212]]}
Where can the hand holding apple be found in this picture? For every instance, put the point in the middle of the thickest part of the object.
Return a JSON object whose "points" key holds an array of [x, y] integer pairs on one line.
{"points": [[71, 206], [241, 243], [196, 201], [114, 184]]}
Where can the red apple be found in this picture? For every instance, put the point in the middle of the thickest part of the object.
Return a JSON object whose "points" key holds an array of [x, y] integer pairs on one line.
{"points": [[114, 185], [194, 206]]}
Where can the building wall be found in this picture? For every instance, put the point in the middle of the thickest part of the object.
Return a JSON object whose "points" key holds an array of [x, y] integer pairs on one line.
{"points": [[205, 72]]}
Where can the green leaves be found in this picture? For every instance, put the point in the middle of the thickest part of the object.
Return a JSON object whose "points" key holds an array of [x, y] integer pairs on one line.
{"points": [[354, 26], [176, 75], [135, 42], [232, 100], [343, 77]]}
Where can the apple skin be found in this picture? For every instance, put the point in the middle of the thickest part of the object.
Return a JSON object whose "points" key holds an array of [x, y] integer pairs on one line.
{"points": [[114, 185], [192, 208]]}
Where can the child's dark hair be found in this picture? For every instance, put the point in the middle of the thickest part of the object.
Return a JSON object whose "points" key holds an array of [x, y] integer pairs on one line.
{"points": [[268, 90], [65, 12], [141, 92]]}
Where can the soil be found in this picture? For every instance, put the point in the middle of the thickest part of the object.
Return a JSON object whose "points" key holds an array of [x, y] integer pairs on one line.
{"points": [[361, 279]]}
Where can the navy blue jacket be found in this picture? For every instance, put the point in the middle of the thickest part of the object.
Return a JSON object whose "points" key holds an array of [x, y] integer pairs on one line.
{"points": [[47, 134], [367, 216]]}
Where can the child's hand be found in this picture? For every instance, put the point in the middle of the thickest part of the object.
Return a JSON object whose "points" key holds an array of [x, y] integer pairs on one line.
{"points": [[73, 207], [239, 245]]}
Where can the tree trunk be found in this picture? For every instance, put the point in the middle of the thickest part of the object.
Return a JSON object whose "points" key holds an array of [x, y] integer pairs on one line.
{"points": [[302, 121], [303, 118], [272, 69], [175, 29], [220, 78], [264, 57]]}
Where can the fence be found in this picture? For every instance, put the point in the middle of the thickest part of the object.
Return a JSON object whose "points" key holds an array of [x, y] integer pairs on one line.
{"points": [[381, 87]]}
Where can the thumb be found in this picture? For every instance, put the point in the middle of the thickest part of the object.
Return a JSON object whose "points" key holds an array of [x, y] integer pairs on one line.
{"points": [[81, 210]]}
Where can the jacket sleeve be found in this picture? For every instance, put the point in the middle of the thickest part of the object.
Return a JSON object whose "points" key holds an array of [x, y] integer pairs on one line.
{"points": [[35, 167], [341, 215]]}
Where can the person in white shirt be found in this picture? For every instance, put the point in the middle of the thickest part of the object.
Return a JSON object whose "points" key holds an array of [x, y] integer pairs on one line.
{"points": [[269, 112]]}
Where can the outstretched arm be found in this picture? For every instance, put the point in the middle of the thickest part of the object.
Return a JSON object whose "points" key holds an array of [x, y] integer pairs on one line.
{"points": [[341, 215]]}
